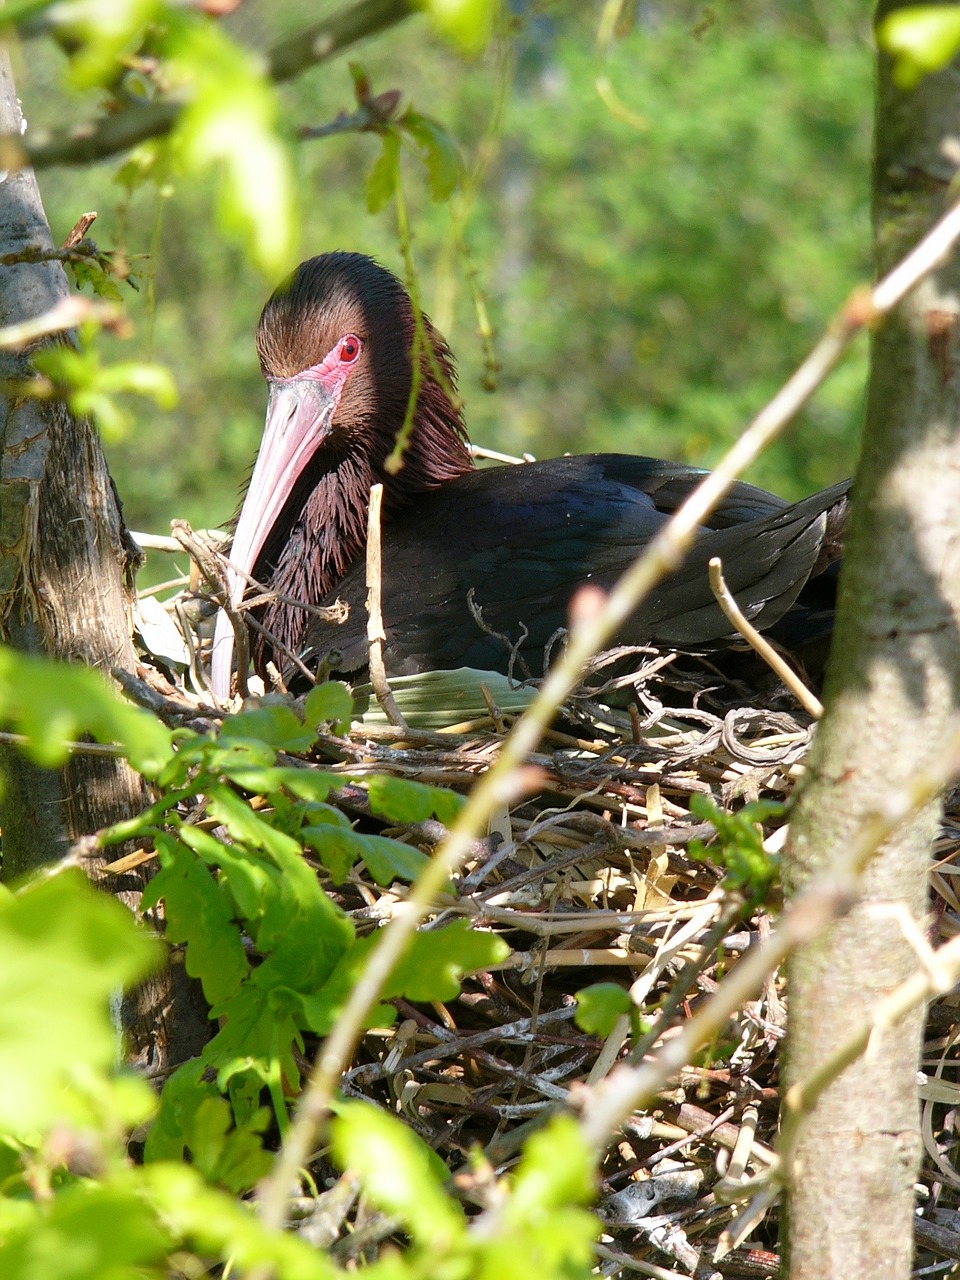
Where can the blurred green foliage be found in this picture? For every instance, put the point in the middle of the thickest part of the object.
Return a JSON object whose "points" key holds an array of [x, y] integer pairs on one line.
{"points": [[650, 286]]}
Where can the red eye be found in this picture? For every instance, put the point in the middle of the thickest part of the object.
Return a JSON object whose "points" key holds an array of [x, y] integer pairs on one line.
{"points": [[350, 348]]}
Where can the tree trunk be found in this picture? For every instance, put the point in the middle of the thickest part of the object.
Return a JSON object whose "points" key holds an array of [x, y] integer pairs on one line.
{"points": [[891, 694], [64, 560]]}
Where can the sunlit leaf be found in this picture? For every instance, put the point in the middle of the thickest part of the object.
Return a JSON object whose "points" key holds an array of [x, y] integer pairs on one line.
{"points": [[922, 40], [274, 723], [65, 950], [399, 1172], [600, 1005], [52, 703], [402, 800], [231, 122], [328, 702], [467, 24], [437, 960], [89, 1231], [199, 914], [101, 33], [557, 1168], [214, 1223]]}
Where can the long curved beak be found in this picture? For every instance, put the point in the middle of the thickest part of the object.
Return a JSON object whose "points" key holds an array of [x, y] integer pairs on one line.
{"points": [[299, 418]]}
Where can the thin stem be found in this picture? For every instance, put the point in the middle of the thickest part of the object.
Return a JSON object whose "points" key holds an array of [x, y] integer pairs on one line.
{"points": [[760, 644]]}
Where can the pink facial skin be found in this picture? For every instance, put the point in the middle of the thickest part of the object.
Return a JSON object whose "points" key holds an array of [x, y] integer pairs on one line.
{"points": [[300, 416]]}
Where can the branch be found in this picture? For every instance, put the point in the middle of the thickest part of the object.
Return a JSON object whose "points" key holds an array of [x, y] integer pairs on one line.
{"points": [[330, 35], [96, 139]]}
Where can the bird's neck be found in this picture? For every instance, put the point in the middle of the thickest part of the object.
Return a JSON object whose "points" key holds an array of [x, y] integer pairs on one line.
{"points": [[329, 532]]}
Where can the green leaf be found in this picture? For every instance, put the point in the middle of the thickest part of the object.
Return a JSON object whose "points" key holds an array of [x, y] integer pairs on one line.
{"points": [[467, 24], [383, 177], [213, 1223], [89, 386], [330, 702], [230, 1156], [103, 31], [750, 869], [247, 880], [251, 829], [200, 915], [388, 860], [403, 801], [230, 122], [274, 723], [556, 1169], [600, 1005], [437, 959], [65, 950], [922, 40], [399, 1173], [89, 1231], [440, 154], [155, 381], [259, 1031], [340, 847], [51, 703]]}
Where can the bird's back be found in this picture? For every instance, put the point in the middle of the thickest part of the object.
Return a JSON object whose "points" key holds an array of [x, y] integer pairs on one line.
{"points": [[490, 561]]}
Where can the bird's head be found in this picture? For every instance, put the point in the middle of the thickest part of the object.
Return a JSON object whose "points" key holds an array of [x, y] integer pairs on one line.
{"points": [[335, 342]]}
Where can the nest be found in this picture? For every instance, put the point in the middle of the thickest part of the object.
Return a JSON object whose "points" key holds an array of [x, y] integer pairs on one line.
{"points": [[590, 879]]}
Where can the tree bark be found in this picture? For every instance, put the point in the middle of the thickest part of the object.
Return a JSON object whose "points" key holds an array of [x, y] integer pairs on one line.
{"points": [[891, 694], [64, 561]]}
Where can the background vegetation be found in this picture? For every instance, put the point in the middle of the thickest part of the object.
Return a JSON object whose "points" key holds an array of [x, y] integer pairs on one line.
{"points": [[651, 271]]}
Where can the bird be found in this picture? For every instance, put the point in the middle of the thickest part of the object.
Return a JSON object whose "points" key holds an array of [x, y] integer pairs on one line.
{"points": [[479, 564]]}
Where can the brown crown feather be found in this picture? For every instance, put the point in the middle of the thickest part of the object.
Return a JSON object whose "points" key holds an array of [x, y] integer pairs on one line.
{"points": [[322, 529]]}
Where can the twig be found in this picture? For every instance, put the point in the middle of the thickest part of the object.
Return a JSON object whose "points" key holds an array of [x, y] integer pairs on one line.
{"points": [[375, 632], [162, 542], [75, 748], [207, 559], [79, 229], [66, 314], [496, 786], [809, 701], [479, 451]]}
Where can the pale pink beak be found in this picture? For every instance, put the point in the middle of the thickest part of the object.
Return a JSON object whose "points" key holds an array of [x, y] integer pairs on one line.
{"points": [[299, 418]]}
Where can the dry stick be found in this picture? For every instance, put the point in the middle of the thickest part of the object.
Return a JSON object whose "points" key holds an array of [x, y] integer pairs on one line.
{"points": [[375, 632], [209, 560], [809, 701], [497, 787], [80, 229]]}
